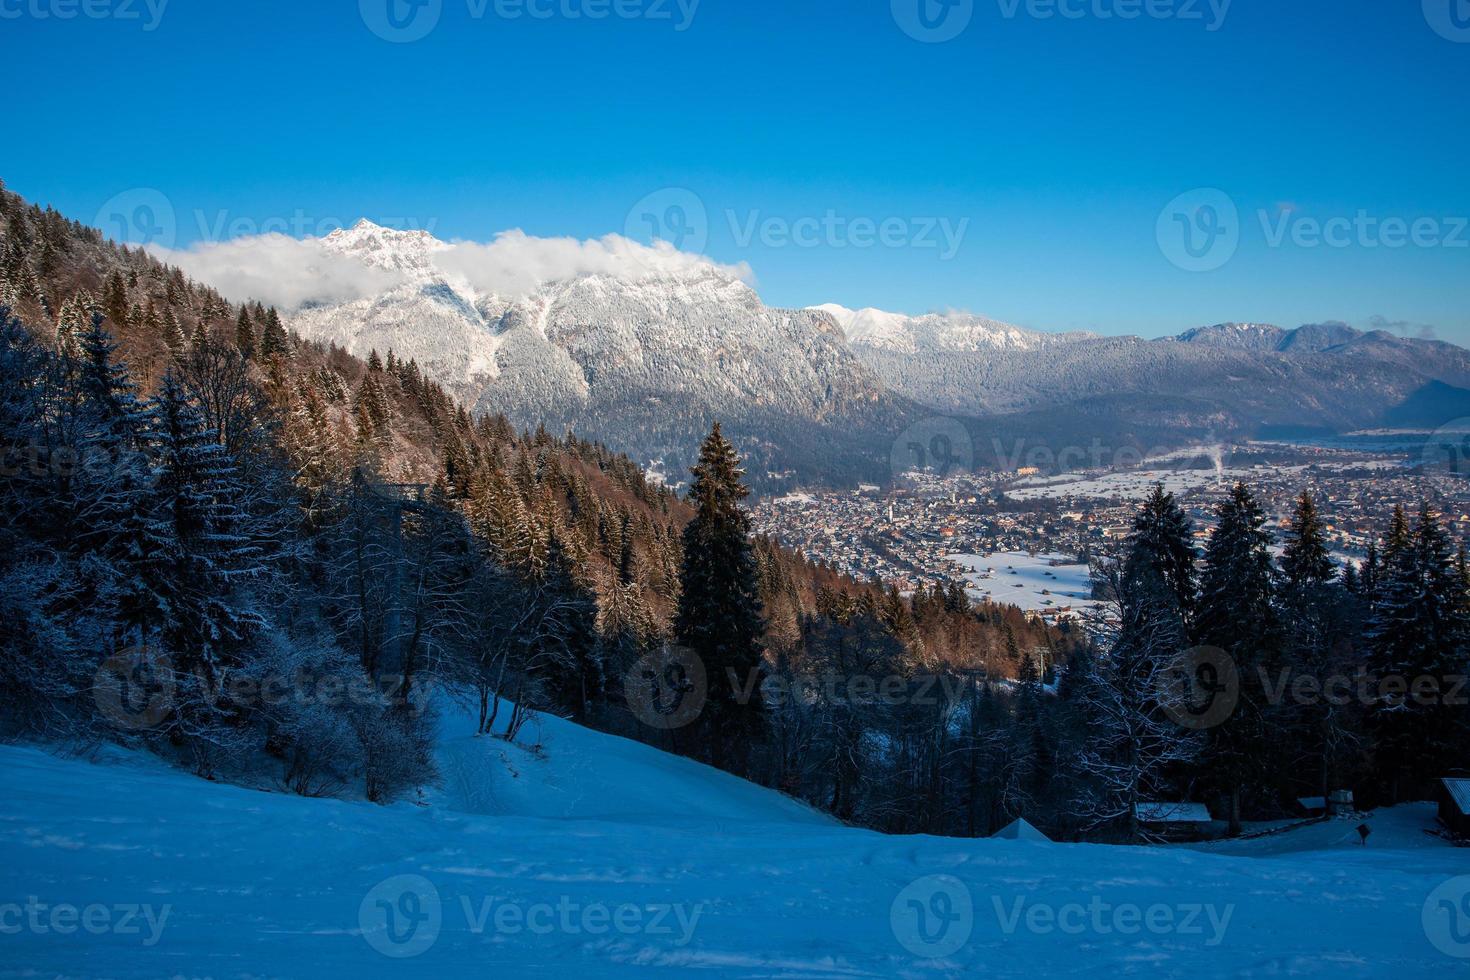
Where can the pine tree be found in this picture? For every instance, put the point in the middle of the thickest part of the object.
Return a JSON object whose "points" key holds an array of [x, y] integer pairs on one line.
{"points": [[244, 332], [198, 551], [1161, 546], [1236, 613], [1305, 560], [719, 611], [273, 339]]}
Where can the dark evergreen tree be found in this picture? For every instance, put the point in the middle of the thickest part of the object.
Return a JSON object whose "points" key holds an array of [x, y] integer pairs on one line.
{"points": [[1161, 547], [1236, 613], [719, 616], [1305, 561]]}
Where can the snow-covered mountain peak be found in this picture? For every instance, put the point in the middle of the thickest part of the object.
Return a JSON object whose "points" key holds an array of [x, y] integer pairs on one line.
{"points": [[386, 248]]}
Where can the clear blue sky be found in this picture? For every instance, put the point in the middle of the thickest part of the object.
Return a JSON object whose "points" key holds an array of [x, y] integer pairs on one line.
{"points": [[1059, 140]]}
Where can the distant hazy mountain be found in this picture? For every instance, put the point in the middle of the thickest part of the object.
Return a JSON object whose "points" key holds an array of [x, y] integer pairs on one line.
{"points": [[645, 356]]}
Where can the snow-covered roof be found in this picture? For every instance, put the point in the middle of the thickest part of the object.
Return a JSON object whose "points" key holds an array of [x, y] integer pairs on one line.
{"points": [[1459, 789], [1312, 802], [1020, 829], [1173, 813]]}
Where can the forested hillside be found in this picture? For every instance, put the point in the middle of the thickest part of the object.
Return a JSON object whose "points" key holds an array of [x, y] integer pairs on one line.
{"points": [[285, 548]]}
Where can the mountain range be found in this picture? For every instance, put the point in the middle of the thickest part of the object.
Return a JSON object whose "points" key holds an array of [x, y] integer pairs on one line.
{"points": [[643, 354]]}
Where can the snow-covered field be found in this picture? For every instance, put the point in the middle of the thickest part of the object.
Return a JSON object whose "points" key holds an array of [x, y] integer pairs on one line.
{"points": [[1136, 484], [595, 856], [1029, 581]]}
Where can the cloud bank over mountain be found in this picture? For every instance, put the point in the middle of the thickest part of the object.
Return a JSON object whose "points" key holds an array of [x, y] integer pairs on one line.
{"points": [[296, 272]]}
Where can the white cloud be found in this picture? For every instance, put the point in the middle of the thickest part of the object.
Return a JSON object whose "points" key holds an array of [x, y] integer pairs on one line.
{"points": [[289, 272], [279, 270], [514, 263]]}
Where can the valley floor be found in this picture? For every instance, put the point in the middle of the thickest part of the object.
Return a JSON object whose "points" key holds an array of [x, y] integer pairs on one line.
{"points": [[597, 856]]}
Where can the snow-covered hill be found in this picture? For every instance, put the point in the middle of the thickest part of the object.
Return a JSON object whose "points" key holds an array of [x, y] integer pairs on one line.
{"points": [[592, 856]]}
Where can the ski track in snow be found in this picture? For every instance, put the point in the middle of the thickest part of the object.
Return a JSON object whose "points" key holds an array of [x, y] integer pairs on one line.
{"points": [[268, 884]]}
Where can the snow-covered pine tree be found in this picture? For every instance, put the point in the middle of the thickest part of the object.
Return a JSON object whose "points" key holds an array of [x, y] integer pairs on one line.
{"points": [[719, 611], [1237, 613], [200, 555]]}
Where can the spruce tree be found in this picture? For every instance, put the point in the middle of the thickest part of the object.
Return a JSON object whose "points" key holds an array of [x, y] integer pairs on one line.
{"points": [[1305, 560], [244, 333], [719, 612], [198, 550], [1236, 613], [1161, 547]]}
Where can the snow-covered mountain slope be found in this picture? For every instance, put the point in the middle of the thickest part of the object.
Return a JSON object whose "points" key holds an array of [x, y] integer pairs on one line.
{"points": [[643, 347], [935, 331], [593, 857], [642, 352]]}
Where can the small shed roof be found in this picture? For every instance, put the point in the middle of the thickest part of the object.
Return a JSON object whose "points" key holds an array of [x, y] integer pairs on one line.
{"points": [[1020, 829], [1459, 790], [1173, 813], [1312, 802]]}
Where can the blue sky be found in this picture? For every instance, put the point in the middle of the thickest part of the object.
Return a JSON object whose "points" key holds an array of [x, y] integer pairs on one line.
{"points": [[1030, 168]]}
